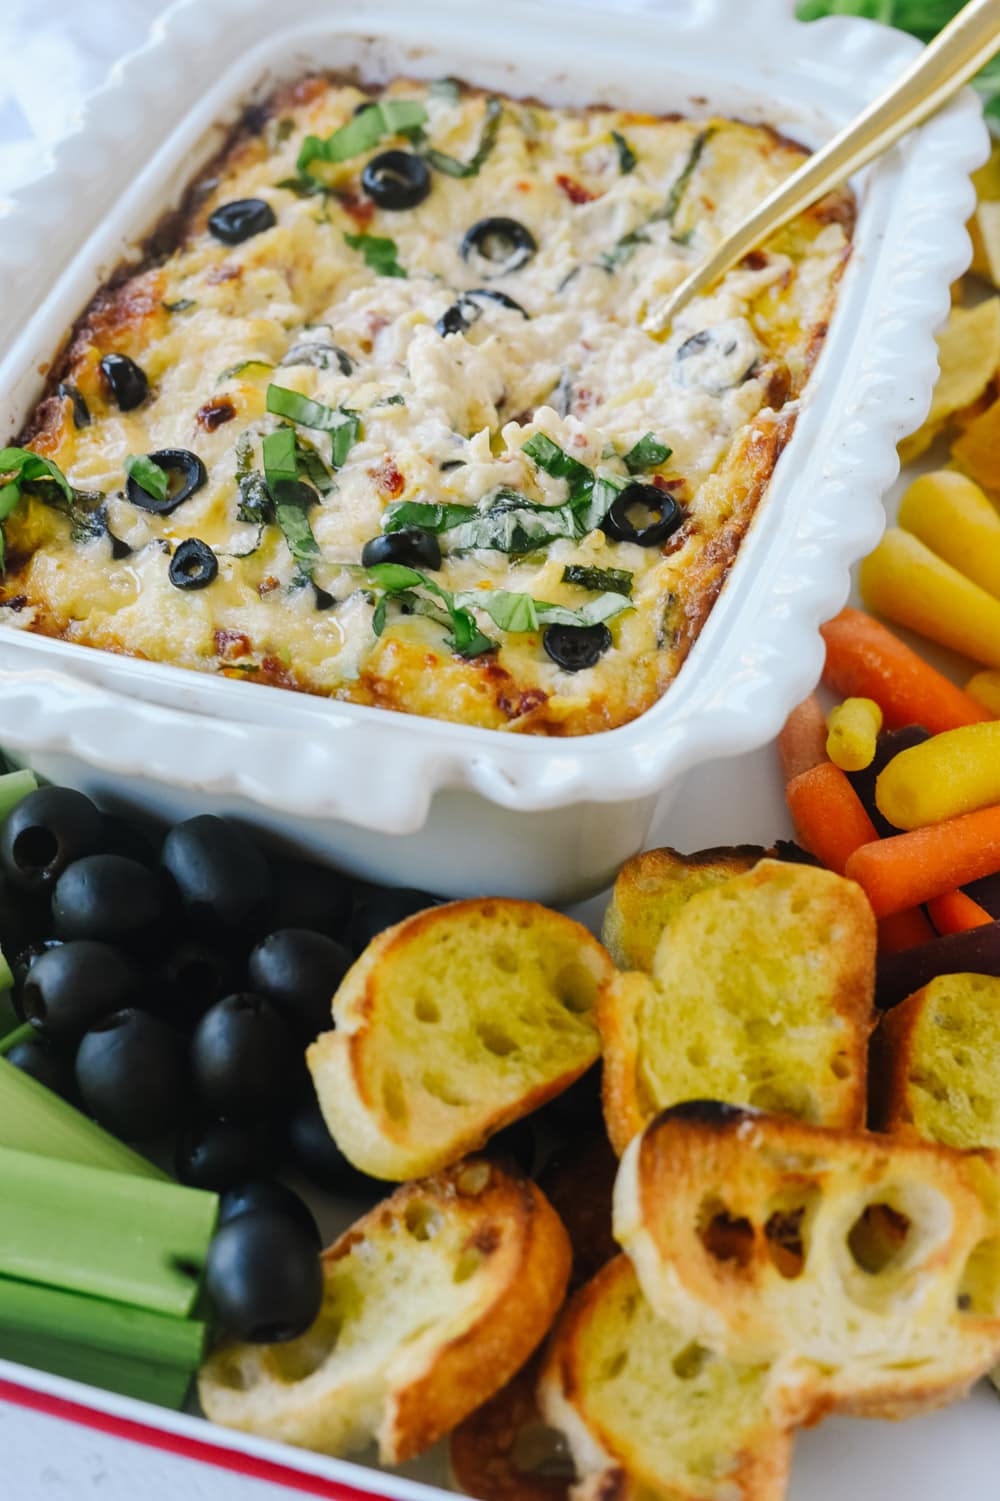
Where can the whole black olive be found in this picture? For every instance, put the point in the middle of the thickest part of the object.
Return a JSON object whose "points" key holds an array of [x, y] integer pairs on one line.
{"points": [[396, 179], [24, 918], [193, 976], [185, 472], [412, 546], [381, 907], [128, 382], [717, 358], [497, 246], [130, 1074], [223, 879], [21, 966], [232, 223], [264, 1278], [574, 647], [37, 1057], [318, 1156], [313, 897], [321, 356], [299, 971], [194, 565], [654, 503], [70, 988], [265, 1196], [218, 1154], [466, 310], [110, 897], [516, 1142], [243, 1057], [45, 832]]}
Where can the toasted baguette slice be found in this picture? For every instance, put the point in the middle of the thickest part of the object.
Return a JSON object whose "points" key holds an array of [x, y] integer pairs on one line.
{"points": [[432, 1301], [867, 1271], [653, 886], [453, 1024], [761, 994], [649, 1412], [936, 1064]]}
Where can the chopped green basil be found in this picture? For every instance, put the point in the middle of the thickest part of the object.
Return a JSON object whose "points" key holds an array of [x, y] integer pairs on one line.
{"points": [[303, 186], [244, 453], [242, 365], [450, 165], [400, 583], [431, 517], [148, 475], [22, 469], [398, 400], [519, 612], [602, 580], [312, 466], [255, 504], [626, 247], [550, 457], [283, 129], [363, 131], [279, 457], [646, 454], [379, 253], [180, 306], [343, 424], [293, 519], [626, 156]]}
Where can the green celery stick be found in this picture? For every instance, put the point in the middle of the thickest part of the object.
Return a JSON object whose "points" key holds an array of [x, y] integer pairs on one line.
{"points": [[13, 786], [6, 977], [108, 1234], [129, 1375], [103, 1328], [20, 1032], [9, 1019], [33, 1119]]}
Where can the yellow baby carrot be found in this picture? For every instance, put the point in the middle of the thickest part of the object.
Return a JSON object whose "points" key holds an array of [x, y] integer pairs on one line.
{"points": [[904, 580], [950, 774], [853, 728], [952, 516], [985, 689]]}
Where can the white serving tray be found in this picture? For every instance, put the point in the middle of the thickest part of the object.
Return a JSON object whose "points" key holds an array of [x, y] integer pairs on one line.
{"points": [[417, 801]]}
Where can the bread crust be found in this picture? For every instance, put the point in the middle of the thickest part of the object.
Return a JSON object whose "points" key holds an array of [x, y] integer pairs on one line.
{"points": [[648, 1066], [652, 884], [411, 1392], [867, 1271], [610, 1463], [349, 1066]]}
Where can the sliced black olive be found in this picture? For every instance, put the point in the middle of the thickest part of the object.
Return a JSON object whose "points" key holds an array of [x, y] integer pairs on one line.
{"points": [[715, 359], [465, 312], [232, 223], [411, 546], [664, 514], [119, 549], [451, 464], [323, 599], [322, 356], [81, 411], [396, 179], [574, 647], [497, 246], [128, 382], [194, 565], [186, 472]]}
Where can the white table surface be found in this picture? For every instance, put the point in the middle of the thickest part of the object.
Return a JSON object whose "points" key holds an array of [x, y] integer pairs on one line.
{"points": [[52, 56]]}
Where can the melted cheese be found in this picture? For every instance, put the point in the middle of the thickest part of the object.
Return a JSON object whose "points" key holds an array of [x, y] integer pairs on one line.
{"points": [[580, 368]]}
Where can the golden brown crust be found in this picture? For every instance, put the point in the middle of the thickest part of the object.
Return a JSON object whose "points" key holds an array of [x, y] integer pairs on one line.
{"points": [[473, 1367], [491, 1452], [890, 1062]]}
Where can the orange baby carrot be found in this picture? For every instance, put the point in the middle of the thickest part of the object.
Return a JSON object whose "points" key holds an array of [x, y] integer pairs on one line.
{"points": [[911, 868], [802, 743], [864, 660], [828, 815], [956, 913], [904, 930]]}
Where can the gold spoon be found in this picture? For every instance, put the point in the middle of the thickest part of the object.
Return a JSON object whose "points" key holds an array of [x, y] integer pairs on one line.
{"points": [[968, 41]]}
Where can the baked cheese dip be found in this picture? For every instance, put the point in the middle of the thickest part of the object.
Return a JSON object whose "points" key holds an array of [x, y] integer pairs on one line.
{"points": [[384, 421]]}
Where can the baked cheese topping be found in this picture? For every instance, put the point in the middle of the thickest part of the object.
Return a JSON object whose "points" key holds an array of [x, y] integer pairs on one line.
{"points": [[560, 494]]}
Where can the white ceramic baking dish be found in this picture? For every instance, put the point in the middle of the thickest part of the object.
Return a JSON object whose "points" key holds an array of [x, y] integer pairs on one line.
{"points": [[421, 802]]}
